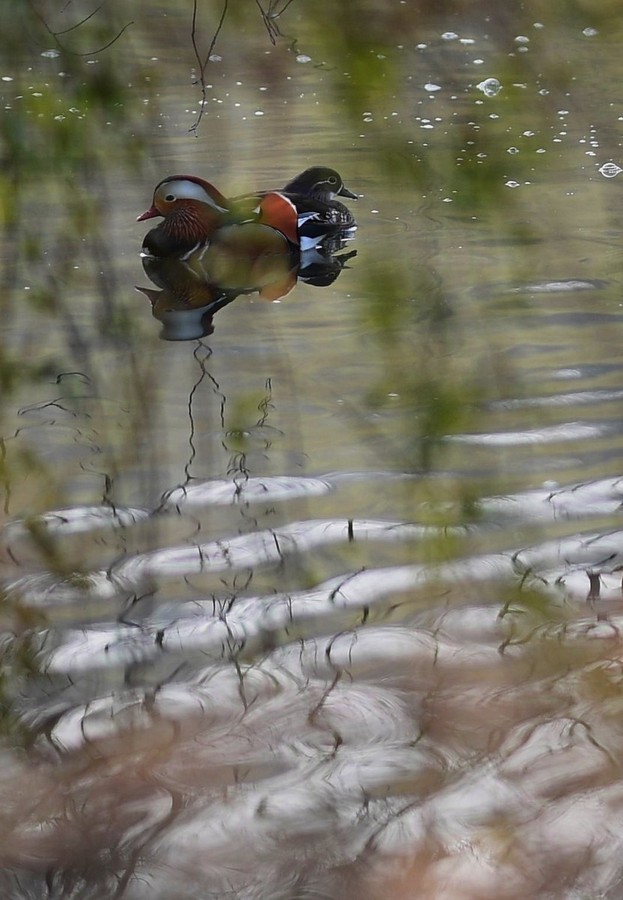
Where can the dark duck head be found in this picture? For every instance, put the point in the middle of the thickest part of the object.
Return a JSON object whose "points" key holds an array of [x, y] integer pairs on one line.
{"points": [[320, 183], [192, 208]]}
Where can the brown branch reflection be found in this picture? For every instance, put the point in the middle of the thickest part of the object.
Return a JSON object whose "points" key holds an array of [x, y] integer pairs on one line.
{"points": [[268, 16], [55, 34], [203, 63]]}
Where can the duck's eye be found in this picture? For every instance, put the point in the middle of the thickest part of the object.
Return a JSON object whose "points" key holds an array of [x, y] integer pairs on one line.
{"points": [[332, 179], [170, 198]]}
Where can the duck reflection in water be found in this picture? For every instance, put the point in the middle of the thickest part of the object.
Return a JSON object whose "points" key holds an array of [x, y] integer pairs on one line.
{"points": [[208, 250], [191, 290]]}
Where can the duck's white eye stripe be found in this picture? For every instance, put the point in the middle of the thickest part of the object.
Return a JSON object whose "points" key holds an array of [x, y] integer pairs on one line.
{"points": [[188, 190]]}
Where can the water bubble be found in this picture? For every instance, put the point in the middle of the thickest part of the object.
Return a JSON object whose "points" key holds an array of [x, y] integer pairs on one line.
{"points": [[490, 87], [303, 58], [7, 78], [431, 88], [512, 184], [590, 32], [50, 54], [610, 170], [449, 36], [512, 150], [522, 39]]}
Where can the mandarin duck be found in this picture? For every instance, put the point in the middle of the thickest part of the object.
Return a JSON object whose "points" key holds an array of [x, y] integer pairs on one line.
{"points": [[323, 185], [319, 214]]}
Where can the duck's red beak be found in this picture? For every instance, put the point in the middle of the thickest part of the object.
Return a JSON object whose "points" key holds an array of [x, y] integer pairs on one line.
{"points": [[149, 214]]}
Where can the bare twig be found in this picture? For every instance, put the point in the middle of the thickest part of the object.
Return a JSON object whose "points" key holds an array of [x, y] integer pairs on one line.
{"points": [[269, 18], [55, 34], [276, 13], [78, 24], [203, 63]]}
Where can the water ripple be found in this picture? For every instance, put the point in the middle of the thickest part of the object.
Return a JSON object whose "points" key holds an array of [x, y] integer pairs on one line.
{"points": [[568, 431], [247, 490]]}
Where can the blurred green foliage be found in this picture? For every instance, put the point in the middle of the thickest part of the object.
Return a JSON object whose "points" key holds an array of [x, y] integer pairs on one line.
{"points": [[68, 109]]}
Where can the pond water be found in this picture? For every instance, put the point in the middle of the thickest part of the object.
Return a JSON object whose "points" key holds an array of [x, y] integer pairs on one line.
{"points": [[319, 595]]}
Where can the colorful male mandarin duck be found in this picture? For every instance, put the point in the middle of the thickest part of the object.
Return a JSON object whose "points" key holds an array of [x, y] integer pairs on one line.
{"points": [[194, 212]]}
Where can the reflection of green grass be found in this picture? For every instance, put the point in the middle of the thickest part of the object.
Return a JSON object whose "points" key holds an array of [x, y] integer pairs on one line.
{"points": [[65, 120]]}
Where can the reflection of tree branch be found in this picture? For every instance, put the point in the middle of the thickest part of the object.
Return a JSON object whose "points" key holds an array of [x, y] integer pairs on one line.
{"points": [[204, 63], [77, 25], [268, 18], [275, 13], [55, 34], [204, 374]]}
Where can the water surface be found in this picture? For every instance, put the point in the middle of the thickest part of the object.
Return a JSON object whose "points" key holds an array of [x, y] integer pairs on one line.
{"points": [[327, 601]]}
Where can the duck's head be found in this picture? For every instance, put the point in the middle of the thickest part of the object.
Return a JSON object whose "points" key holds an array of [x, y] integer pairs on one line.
{"points": [[320, 182], [182, 191], [192, 209]]}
